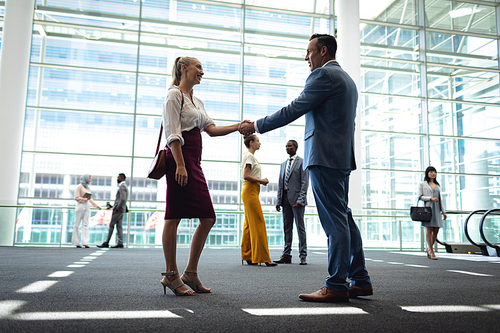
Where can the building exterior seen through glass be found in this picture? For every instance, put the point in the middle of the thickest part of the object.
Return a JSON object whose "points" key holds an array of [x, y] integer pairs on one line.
{"points": [[99, 71]]}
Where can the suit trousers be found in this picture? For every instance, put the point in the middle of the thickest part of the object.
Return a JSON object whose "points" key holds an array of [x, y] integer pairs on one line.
{"points": [[82, 214], [116, 219], [254, 235], [345, 248], [291, 213]]}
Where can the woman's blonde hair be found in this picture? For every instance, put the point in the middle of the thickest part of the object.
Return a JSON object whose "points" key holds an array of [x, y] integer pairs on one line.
{"points": [[249, 138], [177, 70]]}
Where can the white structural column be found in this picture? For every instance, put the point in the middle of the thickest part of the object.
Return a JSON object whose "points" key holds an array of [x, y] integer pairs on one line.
{"points": [[348, 56], [14, 67]]}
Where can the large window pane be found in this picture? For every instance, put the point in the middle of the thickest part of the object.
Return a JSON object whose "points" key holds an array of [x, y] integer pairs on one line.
{"points": [[84, 53], [80, 89], [462, 16], [385, 113], [85, 133], [260, 101], [398, 11], [461, 50], [463, 119], [129, 8], [460, 84], [390, 151]]}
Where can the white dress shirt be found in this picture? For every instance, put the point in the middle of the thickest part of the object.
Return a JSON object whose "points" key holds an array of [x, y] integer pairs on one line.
{"points": [[176, 121]]}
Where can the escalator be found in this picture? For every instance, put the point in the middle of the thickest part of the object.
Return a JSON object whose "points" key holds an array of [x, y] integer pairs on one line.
{"points": [[472, 247], [487, 238], [489, 227]]}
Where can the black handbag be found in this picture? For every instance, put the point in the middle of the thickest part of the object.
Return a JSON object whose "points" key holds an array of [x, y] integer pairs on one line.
{"points": [[158, 167], [421, 214]]}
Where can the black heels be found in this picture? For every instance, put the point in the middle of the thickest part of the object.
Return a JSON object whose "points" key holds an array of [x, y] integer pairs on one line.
{"points": [[250, 263], [270, 264]]}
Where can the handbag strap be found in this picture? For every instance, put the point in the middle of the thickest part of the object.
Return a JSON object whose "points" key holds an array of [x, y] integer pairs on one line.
{"points": [[420, 198], [161, 128]]}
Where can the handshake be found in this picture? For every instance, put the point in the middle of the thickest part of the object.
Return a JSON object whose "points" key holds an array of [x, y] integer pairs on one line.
{"points": [[246, 127]]}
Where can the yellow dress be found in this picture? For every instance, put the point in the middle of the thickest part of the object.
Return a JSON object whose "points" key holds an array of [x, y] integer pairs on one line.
{"points": [[254, 237]]}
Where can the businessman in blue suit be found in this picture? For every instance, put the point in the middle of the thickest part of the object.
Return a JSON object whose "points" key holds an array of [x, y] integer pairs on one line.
{"points": [[328, 101]]}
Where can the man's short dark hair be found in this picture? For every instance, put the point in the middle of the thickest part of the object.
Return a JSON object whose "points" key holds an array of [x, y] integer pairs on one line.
{"points": [[296, 145], [326, 40], [123, 175]]}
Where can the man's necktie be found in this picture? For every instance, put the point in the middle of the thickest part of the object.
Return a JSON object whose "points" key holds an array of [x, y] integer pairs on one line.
{"points": [[288, 169]]}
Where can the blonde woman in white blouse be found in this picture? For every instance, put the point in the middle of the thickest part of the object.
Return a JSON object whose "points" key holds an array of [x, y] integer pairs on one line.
{"points": [[82, 212], [184, 117]]}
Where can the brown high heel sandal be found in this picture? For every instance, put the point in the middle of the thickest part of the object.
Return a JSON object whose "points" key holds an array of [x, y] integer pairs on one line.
{"points": [[194, 282], [173, 285]]}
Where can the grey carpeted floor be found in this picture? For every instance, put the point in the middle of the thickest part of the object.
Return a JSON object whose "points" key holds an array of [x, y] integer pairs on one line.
{"points": [[119, 291]]}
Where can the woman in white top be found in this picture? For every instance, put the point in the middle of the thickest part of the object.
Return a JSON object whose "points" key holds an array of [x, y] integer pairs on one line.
{"points": [[254, 248], [83, 197], [184, 117], [430, 192]]}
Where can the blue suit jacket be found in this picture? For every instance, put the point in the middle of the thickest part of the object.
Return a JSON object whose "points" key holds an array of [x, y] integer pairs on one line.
{"points": [[329, 102]]}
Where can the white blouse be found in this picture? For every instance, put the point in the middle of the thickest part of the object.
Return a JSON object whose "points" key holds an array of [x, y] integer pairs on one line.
{"points": [[176, 121], [249, 158]]}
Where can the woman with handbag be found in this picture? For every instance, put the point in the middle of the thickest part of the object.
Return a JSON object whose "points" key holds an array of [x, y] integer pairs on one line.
{"points": [[184, 117], [429, 191]]}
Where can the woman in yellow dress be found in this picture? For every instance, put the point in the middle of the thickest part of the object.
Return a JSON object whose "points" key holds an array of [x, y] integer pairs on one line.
{"points": [[254, 248]]}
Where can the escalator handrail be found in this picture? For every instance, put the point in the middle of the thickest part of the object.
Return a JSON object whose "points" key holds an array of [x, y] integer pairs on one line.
{"points": [[466, 232], [481, 224]]}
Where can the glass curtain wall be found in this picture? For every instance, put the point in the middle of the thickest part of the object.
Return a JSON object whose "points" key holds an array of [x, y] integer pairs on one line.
{"points": [[98, 76], [100, 69], [430, 83]]}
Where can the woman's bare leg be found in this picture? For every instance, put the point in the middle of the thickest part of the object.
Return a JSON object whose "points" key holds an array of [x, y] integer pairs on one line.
{"points": [[428, 238], [169, 242], [197, 243]]}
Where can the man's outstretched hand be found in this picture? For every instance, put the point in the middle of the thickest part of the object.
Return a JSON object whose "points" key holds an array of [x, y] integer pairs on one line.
{"points": [[246, 127]]}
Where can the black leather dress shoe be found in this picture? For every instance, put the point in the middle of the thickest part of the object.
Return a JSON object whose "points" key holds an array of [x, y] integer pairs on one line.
{"points": [[78, 247], [303, 261], [117, 246], [284, 260], [103, 245]]}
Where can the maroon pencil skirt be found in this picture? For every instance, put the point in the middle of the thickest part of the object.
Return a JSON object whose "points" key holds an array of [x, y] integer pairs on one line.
{"points": [[192, 200]]}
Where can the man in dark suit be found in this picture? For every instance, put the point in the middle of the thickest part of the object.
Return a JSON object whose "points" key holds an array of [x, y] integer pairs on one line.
{"points": [[119, 208], [292, 196], [328, 101]]}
